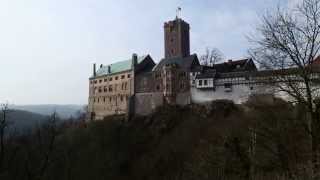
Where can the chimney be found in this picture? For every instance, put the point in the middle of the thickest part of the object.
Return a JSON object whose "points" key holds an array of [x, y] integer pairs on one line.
{"points": [[109, 69], [94, 70], [134, 60]]}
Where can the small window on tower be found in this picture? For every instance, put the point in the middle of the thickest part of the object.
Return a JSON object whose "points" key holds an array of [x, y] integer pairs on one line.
{"points": [[171, 28]]}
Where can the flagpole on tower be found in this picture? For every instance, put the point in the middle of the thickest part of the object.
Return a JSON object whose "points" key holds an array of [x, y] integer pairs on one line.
{"points": [[178, 12]]}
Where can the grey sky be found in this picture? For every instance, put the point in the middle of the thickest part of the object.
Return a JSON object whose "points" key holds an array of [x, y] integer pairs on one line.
{"points": [[47, 47]]}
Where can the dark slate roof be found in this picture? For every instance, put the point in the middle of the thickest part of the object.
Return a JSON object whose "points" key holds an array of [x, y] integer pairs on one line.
{"points": [[206, 75], [235, 66], [185, 63]]}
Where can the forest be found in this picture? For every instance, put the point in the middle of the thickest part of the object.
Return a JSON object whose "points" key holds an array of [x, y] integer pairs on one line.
{"points": [[218, 140]]}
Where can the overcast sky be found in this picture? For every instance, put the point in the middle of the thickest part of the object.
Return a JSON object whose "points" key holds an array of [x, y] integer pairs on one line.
{"points": [[47, 47]]}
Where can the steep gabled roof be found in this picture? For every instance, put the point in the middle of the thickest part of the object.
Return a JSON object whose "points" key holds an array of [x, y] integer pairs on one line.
{"points": [[185, 63], [235, 66], [120, 66]]}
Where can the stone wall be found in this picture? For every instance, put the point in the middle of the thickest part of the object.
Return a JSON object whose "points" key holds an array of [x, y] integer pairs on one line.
{"points": [[146, 103], [183, 98], [109, 95], [238, 94]]}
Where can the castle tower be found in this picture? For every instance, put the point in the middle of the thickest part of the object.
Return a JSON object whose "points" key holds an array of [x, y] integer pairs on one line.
{"points": [[177, 38]]}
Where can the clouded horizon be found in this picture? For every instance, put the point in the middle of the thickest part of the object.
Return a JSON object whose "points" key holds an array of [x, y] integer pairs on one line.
{"points": [[47, 47]]}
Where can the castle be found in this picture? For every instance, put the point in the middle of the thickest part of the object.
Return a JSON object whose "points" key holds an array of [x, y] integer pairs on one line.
{"points": [[138, 86]]}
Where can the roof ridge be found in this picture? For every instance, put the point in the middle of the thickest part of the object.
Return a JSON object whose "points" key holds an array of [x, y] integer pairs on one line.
{"points": [[122, 61]]}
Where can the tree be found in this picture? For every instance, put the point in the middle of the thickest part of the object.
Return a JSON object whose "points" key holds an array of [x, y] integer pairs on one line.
{"points": [[289, 41], [3, 127], [211, 57]]}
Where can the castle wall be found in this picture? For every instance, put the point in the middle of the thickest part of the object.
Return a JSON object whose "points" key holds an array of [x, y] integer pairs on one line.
{"points": [[183, 98], [146, 103], [238, 93], [109, 95]]}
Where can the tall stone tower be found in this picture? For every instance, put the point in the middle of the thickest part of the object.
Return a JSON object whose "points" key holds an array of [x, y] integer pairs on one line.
{"points": [[177, 38]]}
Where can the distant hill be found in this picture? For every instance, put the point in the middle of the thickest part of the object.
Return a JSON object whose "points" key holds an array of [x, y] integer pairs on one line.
{"points": [[64, 111], [19, 120]]}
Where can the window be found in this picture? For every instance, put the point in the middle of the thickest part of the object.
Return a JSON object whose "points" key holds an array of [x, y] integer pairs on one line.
{"points": [[227, 87], [94, 100], [110, 99], [200, 82], [116, 78], [98, 99], [121, 98], [104, 99], [95, 81], [193, 81], [205, 82], [129, 75], [105, 89], [123, 76], [110, 79], [171, 28], [251, 88], [105, 80], [158, 87], [100, 81], [110, 88], [100, 90]]}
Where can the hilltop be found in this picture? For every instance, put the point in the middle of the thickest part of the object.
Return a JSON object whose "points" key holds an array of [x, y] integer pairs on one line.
{"points": [[64, 111], [212, 141]]}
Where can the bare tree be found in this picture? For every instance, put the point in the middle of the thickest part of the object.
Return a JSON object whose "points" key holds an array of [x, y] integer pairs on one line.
{"points": [[289, 40], [3, 127], [211, 57], [45, 143]]}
